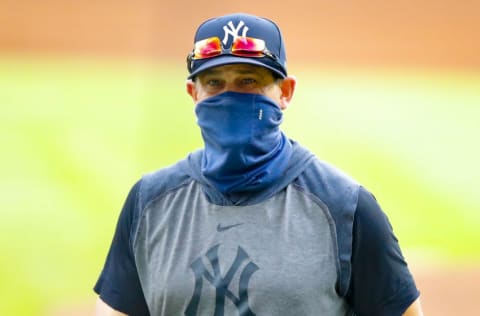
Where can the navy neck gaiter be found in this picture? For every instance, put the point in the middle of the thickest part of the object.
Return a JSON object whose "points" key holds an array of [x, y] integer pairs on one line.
{"points": [[244, 147]]}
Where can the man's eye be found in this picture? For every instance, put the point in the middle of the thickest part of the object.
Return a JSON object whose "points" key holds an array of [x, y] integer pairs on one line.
{"points": [[249, 81], [213, 82]]}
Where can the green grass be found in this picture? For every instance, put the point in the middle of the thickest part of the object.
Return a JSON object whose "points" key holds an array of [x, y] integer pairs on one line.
{"points": [[76, 135], [409, 137]]}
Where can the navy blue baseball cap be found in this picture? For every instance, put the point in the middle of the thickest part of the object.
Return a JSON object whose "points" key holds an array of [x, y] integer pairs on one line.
{"points": [[229, 27]]}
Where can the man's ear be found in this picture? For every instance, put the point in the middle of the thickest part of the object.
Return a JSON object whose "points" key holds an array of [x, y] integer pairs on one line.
{"points": [[192, 90], [287, 87]]}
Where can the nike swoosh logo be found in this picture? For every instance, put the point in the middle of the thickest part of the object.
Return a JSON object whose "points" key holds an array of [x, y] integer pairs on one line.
{"points": [[221, 228]]}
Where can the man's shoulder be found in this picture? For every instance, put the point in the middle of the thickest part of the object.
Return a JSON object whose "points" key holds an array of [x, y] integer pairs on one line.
{"points": [[324, 178], [163, 180], [331, 187]]}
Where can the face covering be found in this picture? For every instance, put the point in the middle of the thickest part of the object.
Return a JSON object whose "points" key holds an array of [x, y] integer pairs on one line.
{"points": [[244, 147]]}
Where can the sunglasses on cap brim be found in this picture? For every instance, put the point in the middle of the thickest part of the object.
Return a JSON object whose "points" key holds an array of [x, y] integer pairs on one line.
{"points": [[242, 46]]}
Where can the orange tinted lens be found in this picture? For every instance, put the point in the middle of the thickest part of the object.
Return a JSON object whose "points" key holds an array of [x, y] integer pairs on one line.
{"points": [[206, 48], [248, 46]]}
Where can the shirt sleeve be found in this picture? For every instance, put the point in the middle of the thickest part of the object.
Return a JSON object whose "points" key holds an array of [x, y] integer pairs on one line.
{"points": [[119, 285], [381, 283]]}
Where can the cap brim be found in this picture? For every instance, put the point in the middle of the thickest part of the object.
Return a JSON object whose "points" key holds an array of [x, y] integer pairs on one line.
{"points": [[229, 59]]}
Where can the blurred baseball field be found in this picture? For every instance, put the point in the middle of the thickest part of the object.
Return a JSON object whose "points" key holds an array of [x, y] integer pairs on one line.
{"points": [[76, 134], [92, 96]]}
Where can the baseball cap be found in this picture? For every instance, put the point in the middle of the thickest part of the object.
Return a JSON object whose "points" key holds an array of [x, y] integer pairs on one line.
{"points": [[228, 28]]}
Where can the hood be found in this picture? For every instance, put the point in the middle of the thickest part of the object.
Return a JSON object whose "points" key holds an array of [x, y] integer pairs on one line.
{"points": [[298, 163]]}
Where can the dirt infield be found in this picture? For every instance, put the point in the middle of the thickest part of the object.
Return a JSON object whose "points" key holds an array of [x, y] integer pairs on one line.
{"points": [[448, 291], [364, 32]]}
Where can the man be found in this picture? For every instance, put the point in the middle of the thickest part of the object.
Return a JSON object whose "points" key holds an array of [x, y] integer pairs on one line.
{"points": [[252, 224]]}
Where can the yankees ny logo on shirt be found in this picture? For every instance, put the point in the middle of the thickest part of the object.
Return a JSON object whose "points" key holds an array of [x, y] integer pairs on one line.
{"points": [[232, 30], [221, 283]]}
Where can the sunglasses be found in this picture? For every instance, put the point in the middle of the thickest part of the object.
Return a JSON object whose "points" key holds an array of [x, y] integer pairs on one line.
{"points": [[241, 46]]}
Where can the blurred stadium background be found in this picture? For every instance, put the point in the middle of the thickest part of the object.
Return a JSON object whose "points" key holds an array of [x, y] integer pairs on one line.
{"points": [[92, 96]]}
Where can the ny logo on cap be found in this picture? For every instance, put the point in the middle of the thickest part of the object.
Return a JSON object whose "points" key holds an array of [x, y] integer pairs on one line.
{"points": [[232, 30]]}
